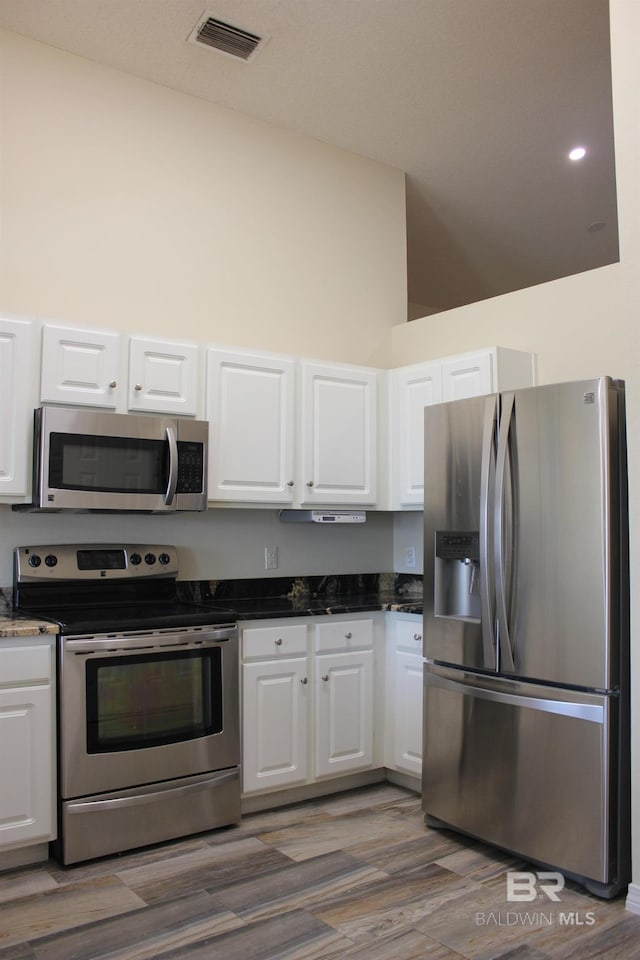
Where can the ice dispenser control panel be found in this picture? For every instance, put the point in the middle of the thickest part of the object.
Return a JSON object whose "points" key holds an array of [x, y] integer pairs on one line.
{"points": [[457, 574], [458, 546]]}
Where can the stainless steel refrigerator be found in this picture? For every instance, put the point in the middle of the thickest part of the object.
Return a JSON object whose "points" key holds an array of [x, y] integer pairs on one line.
{"points": [[526, 697]]}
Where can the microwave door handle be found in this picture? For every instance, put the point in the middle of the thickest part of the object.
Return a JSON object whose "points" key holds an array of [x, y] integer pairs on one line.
{"points": [[173, 466]]}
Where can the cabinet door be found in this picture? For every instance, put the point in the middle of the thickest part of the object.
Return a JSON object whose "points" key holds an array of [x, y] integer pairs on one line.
{"points": [[338, 435], [275, 723], [470, 375], [344, 712], [250, 408], [413, 389], [16, 405], [163, 376], [407, 746], [26, 787], [79, 366]]}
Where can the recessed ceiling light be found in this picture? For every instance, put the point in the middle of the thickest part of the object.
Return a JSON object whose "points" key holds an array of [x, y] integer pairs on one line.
{"points": [[577, 153]]}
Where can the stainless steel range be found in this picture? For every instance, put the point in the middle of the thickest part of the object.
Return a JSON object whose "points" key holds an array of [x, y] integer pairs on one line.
{"points": [[148, 697]]}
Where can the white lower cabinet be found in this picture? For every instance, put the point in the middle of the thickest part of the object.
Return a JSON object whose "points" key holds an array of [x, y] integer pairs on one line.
{"points": [[27, 737], [308, 701], [344, 712], [404, 695]]}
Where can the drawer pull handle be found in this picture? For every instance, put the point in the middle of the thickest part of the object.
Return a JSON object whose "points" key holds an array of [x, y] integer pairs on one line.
{"points": [[304, 680], [325, 677], [348, 636], [278, 642], [417, 636]]}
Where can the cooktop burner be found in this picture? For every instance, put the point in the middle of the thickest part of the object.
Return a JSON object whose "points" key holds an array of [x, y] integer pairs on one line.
{"points": [[106, 588]]}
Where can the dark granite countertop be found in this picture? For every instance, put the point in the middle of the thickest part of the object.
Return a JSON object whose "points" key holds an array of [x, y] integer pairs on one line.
{"points": [[277, 597]]}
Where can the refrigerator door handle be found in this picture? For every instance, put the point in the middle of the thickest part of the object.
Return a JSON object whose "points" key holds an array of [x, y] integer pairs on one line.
{"points": [[593, 712], [504, 564], [487, 487]]}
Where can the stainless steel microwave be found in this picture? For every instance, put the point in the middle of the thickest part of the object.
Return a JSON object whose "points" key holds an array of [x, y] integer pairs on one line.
{"points": [[85, 460]]}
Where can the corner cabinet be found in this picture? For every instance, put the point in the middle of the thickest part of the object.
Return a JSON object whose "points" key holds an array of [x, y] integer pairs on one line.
{"points": [[17, 393], [27, 741], [403, 724], [418, 385], [308, 691], [291, 432]]}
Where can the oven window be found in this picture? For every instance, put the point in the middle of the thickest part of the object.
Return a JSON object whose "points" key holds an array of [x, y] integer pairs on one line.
{"points": [[107, 464], [148, 700]]}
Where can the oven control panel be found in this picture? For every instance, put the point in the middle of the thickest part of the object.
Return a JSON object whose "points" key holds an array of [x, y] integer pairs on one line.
{"points": [[94, 561]]}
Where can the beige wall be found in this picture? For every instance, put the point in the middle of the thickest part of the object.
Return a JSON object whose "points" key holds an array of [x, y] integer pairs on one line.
{"points": [[130, 206], [581, 326]]}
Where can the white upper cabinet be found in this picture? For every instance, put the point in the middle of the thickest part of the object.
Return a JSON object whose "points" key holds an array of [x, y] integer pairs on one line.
{"points": [[80, 366], [163, 376], [17, 400], [338, 437], [260, 451], [412, 389], [419, 385], [251, 414], [468, 376], [87, 367]]}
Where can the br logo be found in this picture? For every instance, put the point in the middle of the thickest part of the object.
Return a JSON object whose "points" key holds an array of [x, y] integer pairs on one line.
{"points": [[523, 886]]}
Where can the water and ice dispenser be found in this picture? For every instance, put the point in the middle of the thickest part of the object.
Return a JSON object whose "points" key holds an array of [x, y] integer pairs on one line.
{"points": [[457, 575]]}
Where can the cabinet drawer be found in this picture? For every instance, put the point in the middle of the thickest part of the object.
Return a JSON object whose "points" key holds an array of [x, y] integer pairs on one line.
{"points": [[21, 666], [408, 636], [265, 642], [345, 635]]}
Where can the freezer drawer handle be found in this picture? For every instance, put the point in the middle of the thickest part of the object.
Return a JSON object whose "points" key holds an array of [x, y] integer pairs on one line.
{"points": [[594, 713]]}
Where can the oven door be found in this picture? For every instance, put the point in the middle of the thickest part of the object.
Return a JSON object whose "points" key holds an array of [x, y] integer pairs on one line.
{"points": [[148, 706]]}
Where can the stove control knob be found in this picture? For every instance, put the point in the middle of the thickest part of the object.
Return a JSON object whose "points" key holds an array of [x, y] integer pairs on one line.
{"points": [[164, 559], [150, 558], [51, 560], [135, 559], [34, 560]]}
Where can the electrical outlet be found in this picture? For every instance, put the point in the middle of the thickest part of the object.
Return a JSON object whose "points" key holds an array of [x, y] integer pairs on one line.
{"points": [[271, 558], [410, 557]]}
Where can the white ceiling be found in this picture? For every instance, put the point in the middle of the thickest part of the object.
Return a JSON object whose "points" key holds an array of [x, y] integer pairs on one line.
{"points": [[477, 100]]}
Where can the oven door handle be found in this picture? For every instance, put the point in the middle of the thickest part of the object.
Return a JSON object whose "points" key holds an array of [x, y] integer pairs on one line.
{"points": [[192, 641], [87, 806], [173, 466]]}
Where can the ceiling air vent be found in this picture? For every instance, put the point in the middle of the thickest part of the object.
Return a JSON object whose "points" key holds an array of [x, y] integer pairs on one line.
{"points": [[232, 41]]}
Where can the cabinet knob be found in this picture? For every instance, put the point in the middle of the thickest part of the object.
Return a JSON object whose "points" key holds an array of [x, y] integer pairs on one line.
{"points": [[113, 384], [278, 642], [417, 636], [304, 680], [138, 387], [309, 483], [348, 636], [325, 677], [289, 483]]}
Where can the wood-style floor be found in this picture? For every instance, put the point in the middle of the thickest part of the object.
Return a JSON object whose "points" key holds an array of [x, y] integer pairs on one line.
{"points": [[354, 876]]}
